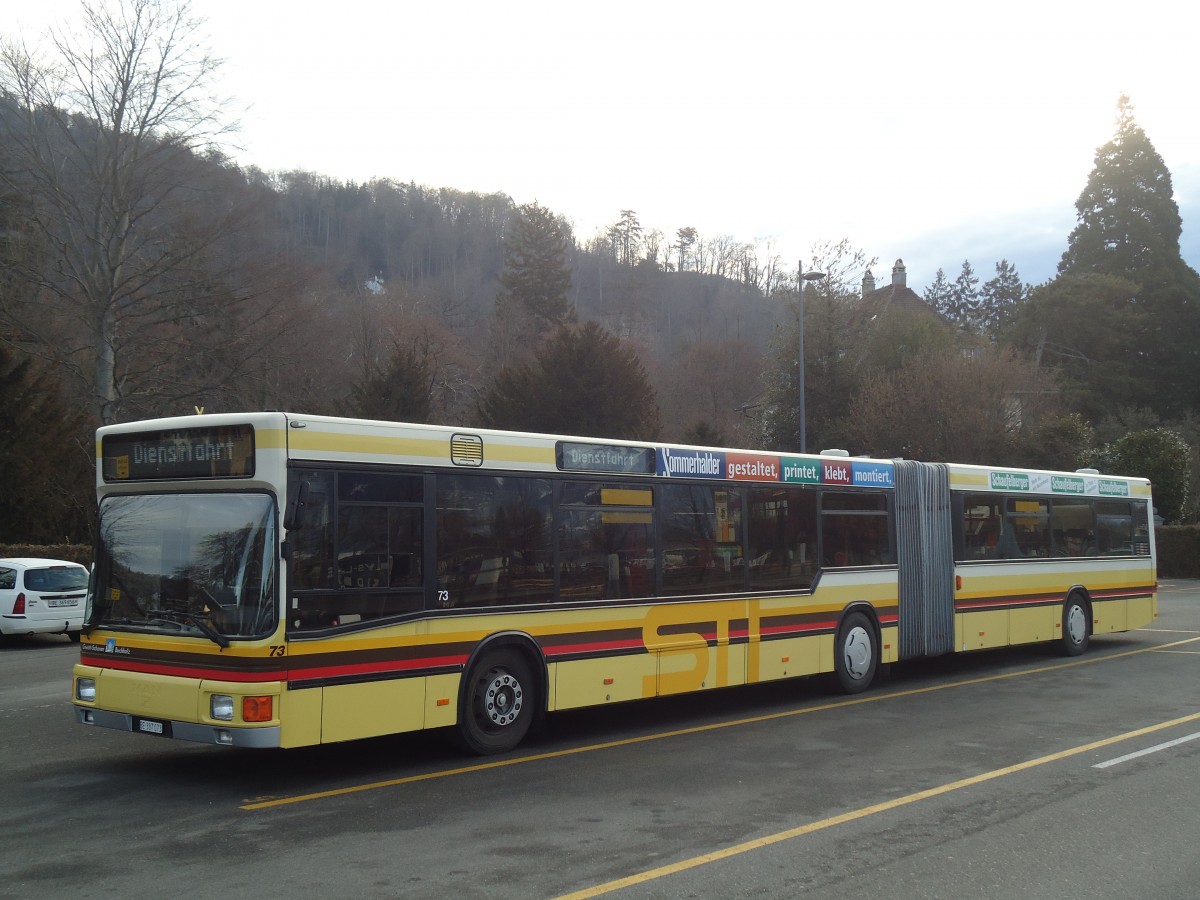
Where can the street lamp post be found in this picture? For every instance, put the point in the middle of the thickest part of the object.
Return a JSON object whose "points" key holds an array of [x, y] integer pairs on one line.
{"points": [[804, 278]]}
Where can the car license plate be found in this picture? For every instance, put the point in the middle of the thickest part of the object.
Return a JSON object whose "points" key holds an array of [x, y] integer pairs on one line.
{"points": [[55, 602], [149, 726]]}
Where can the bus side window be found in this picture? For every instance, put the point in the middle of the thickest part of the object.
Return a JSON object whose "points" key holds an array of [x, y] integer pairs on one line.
{"points": [[1073, 522], [493, 540], [854, 529], [312, 540], [1114, 528], [982, 527], [702, 533], [1028, 520], [606, 541], [356, 550], [782, 531]]}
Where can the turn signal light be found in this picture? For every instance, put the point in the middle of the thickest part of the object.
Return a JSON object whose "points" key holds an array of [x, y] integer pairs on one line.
{"points": [[257, 709]]}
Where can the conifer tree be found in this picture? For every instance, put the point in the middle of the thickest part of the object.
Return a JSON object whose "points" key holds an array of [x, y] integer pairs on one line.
{"points": [[1129, 224], [999, 298], [1129, 227], [628, 238], [536, 276], [583, 380], [964, 298], [939, 295], [400, 389]]}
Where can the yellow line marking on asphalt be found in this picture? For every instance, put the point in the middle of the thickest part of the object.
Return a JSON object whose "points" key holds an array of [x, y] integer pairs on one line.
{"points": [[791, 833], [697, 729]]}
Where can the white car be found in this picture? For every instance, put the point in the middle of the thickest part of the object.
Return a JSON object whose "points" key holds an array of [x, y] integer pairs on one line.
{"points": [[42, 596]]}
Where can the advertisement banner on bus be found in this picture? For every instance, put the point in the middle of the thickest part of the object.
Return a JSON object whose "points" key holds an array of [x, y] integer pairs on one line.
{"points": [[690, 463], [1109, 488], [801, 471], [752, 467], [1053, 483], [873, 474]]}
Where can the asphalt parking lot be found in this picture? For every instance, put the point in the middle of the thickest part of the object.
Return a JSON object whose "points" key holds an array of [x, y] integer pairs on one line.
{"points": [[1013, 773]]}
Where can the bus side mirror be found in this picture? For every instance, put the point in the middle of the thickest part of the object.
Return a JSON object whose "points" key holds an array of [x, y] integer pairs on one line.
{"points": [[293, 516]]}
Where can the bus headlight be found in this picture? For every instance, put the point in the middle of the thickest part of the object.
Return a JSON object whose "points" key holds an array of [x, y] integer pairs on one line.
{"points": [[220, 706], [85, 689]]}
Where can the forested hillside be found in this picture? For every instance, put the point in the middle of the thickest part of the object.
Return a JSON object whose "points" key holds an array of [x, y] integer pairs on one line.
{"points": [[144, 273]]}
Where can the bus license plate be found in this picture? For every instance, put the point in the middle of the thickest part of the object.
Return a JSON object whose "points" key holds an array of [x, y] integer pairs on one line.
{"points": [[150, 726]]}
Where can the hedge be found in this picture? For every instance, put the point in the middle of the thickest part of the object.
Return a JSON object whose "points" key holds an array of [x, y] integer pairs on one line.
{"points": [[1178, 551], [80, 553]]}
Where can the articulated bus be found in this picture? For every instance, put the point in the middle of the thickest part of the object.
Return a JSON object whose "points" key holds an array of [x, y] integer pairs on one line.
{"points": [[279, 580]]}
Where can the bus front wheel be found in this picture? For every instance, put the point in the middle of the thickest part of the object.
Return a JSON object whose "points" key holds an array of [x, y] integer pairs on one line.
{"points": [[1076, 630], [498, 702], [855, 655]]}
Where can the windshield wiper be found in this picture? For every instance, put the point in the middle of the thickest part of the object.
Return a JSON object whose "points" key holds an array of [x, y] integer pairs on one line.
{"points": [[201, 622]]}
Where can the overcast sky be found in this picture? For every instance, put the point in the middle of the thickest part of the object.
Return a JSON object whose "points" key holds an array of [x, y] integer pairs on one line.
{"points": [[932, 131]]}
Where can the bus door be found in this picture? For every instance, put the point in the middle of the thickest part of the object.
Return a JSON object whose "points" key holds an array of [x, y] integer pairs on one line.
{"points": [[925, 554]]}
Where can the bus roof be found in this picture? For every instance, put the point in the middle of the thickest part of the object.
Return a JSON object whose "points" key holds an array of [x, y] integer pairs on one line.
{"points": [[332, 439]]}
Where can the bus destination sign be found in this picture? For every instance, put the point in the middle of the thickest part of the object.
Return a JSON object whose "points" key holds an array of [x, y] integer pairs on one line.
{"points": [[576, 457], [182, 453]]}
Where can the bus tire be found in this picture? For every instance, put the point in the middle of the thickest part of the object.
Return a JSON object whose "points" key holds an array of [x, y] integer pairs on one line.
{"points": [[1076, 626], [499, 702], [856, 657]]}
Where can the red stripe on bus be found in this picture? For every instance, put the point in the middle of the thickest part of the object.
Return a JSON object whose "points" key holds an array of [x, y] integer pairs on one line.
{"points": [[1033, 600], [591, 647], [187, 671]]}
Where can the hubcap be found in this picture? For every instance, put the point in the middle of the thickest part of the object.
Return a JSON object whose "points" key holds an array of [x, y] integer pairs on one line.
{"points": [[858, 652], [502, 699], [1076, 623]]}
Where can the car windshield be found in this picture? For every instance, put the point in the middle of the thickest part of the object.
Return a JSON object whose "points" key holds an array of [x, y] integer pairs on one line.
{"points": [[195, 564], [56, 578]]}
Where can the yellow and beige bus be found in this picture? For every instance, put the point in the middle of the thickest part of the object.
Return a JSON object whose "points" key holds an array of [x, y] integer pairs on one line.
{"points": [[280, 580]]}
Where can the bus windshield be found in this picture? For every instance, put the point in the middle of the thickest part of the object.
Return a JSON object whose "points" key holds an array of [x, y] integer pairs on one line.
{"points": [[199, 564]]}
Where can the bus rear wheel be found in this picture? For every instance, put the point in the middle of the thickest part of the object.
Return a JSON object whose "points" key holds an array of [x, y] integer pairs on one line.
{"points": [[499, 700], [1076, 629], [855, 655]]}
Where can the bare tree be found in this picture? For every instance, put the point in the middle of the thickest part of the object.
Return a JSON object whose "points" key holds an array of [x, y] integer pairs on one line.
{"points": [[130, 242], [939, 406], [843, 266]]}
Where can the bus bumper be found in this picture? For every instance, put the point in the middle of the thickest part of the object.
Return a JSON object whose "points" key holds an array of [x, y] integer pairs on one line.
{"points": [[266, 736]]}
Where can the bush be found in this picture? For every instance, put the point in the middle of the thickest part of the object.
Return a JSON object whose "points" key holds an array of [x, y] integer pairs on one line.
{"points": [[80, 553]]}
